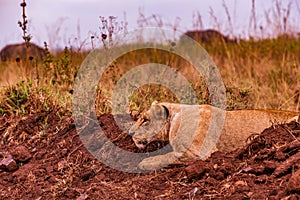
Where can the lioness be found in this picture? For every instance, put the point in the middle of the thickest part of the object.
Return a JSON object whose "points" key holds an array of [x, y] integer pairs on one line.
{"points": [[164, 121]]}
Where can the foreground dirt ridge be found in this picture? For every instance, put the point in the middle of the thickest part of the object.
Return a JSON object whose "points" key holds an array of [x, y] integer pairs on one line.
{"points": [[42, 157]]}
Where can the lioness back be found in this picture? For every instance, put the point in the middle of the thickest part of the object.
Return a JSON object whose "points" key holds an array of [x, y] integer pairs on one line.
{"points": [[241, 124]]}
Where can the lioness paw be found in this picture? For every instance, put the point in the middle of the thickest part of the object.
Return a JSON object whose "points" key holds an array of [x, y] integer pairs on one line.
{"points": [[158, 162], [152, 163]]}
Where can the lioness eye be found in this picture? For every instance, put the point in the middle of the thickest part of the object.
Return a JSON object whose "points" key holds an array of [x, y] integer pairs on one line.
{"points": [[145, 120]]}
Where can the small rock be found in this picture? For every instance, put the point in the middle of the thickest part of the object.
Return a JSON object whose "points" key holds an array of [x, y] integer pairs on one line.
{"points": [[8, 164], [196, 170], [247, 169], [21, 154]]}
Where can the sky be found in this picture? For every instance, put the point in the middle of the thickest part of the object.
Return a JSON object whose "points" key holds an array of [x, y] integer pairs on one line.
{"points": [[72, 22]]}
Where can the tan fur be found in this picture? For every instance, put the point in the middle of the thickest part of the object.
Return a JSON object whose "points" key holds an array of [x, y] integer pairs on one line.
{"points": [[176, 123]]}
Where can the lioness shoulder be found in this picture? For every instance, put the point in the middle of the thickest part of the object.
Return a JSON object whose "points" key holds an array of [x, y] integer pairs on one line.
{"points": [[196, 131]]}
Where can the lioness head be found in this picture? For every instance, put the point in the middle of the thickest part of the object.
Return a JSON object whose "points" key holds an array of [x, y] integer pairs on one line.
{"points": [[151, 126]]}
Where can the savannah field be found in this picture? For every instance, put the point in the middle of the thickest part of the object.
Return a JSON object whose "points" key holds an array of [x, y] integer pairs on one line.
{"points": [[42, 156]]}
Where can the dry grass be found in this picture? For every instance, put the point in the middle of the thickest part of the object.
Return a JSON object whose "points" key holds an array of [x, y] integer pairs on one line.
{"points": [[257, 73]]}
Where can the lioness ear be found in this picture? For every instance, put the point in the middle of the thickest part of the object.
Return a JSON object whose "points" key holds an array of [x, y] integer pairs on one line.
{"points": [[154, 103], [159, 112]]}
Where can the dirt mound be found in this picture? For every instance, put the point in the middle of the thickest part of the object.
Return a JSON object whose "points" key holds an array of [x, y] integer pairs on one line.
{"points": [[42, 157]]}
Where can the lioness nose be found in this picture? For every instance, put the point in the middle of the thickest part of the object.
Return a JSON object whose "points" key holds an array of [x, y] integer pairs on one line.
{"points": [[144, 142], [131, 133]]}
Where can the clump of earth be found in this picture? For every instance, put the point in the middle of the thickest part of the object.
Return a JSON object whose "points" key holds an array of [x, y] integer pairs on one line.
{"points": [[42, 157]]}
